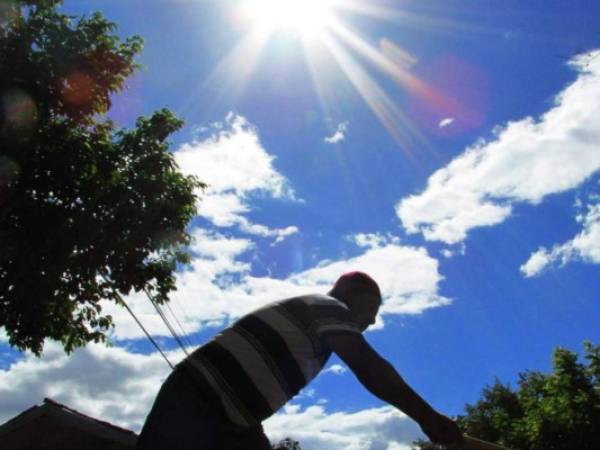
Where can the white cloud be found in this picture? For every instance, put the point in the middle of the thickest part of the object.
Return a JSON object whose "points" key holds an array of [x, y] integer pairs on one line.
{"points": [[114, 385], [408, 276], [536, 263], [446, 122], [106, 383], [218, 287], [449, 253], [370, 429], [583, 247], [398, 446], [236, 167], [527, 161], [206, 293], [373, 240], [336, 369], [339, 135], [118, 386]]}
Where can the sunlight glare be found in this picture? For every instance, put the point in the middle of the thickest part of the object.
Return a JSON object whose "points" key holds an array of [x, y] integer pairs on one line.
{"points": [[332, 48], [305, 17]]}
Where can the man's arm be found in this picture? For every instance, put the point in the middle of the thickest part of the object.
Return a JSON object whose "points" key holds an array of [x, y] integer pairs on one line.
{"points": [[382, 380]]}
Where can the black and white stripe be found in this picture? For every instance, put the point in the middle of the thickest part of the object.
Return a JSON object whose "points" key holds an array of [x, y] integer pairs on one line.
{"points": [[268, 356]]}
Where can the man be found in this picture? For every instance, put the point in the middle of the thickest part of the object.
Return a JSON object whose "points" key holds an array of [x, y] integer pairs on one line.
{"points": [[217, 397]]}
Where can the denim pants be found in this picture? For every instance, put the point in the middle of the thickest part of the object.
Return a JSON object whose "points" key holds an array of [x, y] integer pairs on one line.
{"points": [[184, 418]]}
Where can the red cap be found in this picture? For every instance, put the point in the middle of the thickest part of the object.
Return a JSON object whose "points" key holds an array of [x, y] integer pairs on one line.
{"points": [[357, 280]]}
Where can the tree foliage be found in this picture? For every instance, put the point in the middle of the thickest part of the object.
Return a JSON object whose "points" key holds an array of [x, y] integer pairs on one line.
{"points": [[87, 211], [556, 411], [287, 444]]}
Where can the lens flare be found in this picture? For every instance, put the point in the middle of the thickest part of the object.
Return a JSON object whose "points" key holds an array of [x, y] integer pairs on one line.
{"points": [[20, 110], [343, 62]]}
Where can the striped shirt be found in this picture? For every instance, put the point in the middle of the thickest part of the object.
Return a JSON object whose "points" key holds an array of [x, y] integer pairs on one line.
{"points": [[265, 358]]}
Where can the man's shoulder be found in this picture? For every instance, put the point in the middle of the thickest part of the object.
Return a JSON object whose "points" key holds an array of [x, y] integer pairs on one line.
{"points": [[306, 310], [315, 300], [317, 308]]}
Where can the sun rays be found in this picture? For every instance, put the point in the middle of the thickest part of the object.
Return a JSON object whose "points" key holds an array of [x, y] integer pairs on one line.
{"points": [[329, 42]]}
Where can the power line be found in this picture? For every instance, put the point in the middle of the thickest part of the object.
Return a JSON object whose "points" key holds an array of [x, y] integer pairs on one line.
{"points": [[185, 334], [166, 321], [120, 298]]}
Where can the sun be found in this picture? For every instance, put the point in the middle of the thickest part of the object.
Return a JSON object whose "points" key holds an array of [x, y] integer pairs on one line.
{"points": [[331, 48], [304, 17]]}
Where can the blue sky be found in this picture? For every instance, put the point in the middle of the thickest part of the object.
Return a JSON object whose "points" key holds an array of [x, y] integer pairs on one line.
{"points": [[450, 149]]}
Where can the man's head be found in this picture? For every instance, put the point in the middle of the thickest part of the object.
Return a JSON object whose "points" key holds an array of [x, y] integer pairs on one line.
{"points": [[361, 294]]}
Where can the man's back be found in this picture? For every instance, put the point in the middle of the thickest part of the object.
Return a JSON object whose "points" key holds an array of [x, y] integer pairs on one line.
{"points": [[260, 362]]}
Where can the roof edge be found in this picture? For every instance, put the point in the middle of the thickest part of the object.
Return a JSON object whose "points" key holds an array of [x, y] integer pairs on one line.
{"points": [[71, 417]]}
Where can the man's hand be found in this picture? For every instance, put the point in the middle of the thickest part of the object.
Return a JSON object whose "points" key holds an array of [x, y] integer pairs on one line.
{"points": [[440, 429]]}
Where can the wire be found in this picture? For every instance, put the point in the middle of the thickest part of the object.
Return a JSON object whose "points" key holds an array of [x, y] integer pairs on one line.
{"points": [[141, 326], [185, 333], [166, 321]]}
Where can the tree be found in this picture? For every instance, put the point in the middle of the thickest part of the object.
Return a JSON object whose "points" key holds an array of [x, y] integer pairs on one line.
{"points": [[556, 411], [88, 211], [287, 444]]}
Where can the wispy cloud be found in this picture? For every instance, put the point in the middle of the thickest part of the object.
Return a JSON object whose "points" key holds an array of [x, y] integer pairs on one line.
{"points": [[218, 287], [528, 160], [451, 252], [373, 240], [237, 169], [336, 369], [446, 122], [584, 247], [370, 429], [339, 135]]}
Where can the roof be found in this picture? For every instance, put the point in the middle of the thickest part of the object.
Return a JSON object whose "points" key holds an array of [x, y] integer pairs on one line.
{"points": [[73, 418]]}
